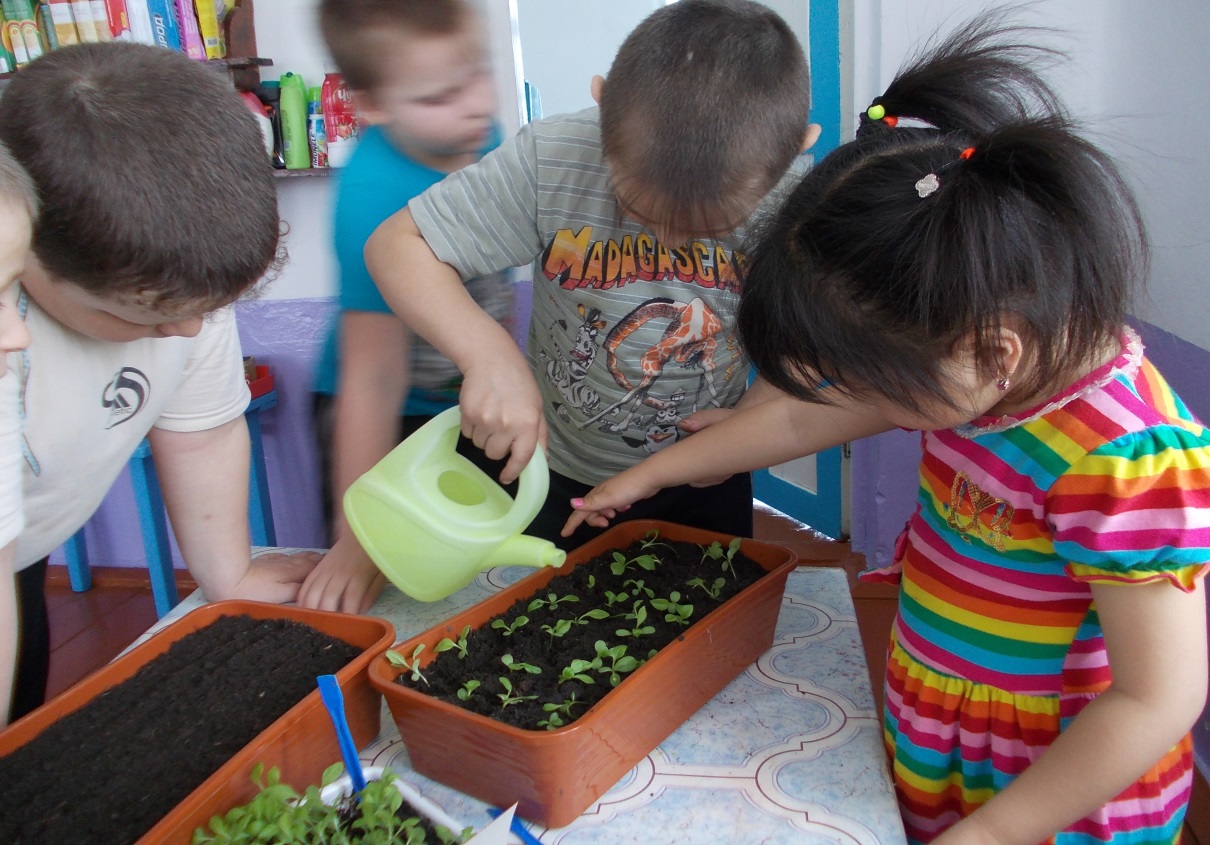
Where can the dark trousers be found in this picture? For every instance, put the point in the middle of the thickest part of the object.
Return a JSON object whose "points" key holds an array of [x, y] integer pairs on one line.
{"points": [[725, 507], [33, 641]]}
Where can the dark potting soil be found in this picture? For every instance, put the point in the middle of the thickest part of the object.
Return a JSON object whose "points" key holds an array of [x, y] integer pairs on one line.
{"points": [[108, 772], [634, 615]]}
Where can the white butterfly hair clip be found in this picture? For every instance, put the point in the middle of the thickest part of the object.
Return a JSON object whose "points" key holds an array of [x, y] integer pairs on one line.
{"points": [[927, 185]]}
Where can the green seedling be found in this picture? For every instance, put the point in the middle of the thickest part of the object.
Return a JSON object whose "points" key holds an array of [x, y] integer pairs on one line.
{"points": [[517, 666], [673, 610], [413, 665], [652, 539], [715, 552], [559, 714], [558, 629], [508, 629], [552, 601], [639, 587], [579, 669], [620, 564], [638, 615], [612, 598], [467, 690], [595, 613], [460, 644], [614, 661], [507, 697], [712, 590], [278, 814]]}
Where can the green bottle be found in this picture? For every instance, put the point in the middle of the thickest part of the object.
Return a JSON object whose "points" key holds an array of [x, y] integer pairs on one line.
{"points": [[294, 122]]}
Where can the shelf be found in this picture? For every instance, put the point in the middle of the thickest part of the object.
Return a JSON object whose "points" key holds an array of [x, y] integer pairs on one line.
{"points": [[302, 174], [239, 63]]}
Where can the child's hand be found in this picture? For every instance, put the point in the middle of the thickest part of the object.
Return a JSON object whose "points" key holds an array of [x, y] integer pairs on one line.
{"points": [[502, 411], [346, 580], [275, 577], [609, 498]]}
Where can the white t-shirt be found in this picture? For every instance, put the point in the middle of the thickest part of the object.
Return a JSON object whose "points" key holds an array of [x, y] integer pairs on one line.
{"points": [[12, 518], [88, 404]]}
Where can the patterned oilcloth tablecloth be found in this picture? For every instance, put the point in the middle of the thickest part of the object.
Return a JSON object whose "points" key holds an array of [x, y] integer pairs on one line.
{"points": [[788, 752]]}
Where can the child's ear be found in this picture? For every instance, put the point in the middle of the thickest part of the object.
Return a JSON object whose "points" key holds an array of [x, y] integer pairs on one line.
{"points": [[1009, 349], [594, 88], [810, 136]]}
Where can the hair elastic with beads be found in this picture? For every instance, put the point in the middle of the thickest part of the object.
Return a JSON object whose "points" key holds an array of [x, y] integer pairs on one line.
{"points": [[878, 112]]}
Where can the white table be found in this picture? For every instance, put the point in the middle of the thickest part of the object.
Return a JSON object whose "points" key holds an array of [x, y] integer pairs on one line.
{"points": [[789, 752]]}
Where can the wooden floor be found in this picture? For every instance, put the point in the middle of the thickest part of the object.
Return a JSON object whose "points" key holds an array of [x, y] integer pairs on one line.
{"points": [[88, 629]]}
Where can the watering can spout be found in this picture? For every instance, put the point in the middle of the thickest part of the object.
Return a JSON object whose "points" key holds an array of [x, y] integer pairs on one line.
{"points": [[524, 550]]}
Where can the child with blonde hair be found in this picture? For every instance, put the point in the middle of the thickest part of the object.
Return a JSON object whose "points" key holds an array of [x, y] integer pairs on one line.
{"points": [[18, 208]]}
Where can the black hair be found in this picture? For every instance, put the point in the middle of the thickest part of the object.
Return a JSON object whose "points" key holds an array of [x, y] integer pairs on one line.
{"points": [[706, 103], [151, 172], [868, 282]]}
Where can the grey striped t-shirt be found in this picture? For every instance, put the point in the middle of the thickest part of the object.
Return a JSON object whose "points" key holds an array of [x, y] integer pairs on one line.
{"points": [[626, 336]]}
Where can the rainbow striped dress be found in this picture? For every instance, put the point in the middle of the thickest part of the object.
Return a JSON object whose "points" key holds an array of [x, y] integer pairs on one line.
{"points": [[997, 646]]}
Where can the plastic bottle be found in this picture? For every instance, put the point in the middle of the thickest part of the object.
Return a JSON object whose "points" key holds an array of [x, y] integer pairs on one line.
{"points": [[316, 131], [269, 92], [260, 112], [340, 119], [294, 122]]}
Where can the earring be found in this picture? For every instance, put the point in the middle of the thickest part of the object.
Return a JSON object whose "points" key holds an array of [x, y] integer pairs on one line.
{"points": [[1003, 384]]}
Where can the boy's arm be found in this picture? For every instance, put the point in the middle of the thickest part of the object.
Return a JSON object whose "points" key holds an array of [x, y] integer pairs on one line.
{"points": [[776, 429], [1155, 638], [204, 476], [374, 367], [502, 409]]}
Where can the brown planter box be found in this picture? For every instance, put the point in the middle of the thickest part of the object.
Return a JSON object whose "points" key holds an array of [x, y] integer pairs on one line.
{"points": [[555, 775], [301, 743]]}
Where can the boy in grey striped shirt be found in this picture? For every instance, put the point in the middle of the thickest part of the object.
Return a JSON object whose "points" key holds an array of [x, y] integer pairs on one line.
{"points": [[634, 214]]}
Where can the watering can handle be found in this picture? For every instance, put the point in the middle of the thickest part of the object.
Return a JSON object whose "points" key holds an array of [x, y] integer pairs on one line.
{"points": [[533, 482]]}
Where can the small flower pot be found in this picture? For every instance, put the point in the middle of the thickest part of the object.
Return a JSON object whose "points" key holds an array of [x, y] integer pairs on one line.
{"points": [[300, 743], [555, 775]]}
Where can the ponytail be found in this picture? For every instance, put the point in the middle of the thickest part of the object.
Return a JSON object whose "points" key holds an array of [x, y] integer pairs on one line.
{"points": [[967, 198]]}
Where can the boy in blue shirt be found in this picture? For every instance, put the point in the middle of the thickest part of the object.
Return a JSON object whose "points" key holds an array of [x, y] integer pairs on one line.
{"points": [[420, 74]]}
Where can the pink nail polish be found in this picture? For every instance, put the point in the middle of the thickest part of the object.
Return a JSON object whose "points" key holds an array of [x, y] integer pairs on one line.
{"points": [[577, 503]]}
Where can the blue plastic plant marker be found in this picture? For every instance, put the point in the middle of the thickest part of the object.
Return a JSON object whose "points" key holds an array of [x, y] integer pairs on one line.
{"points": [[519, 830], [334, 700]]}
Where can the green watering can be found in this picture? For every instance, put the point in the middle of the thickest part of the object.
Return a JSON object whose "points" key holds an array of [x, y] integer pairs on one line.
{"points": [[431, 520]]}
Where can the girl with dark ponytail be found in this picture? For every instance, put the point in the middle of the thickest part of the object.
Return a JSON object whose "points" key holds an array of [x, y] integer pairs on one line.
{"points": [[964, 268]]}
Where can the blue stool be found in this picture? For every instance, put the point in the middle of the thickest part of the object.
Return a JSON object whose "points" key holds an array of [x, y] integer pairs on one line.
{"points": [[154, 524]]}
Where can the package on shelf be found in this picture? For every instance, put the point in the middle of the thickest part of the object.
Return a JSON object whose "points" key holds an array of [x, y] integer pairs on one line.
{"points": [[22, 37], [191, 36], [208, 25], [119, 20]]}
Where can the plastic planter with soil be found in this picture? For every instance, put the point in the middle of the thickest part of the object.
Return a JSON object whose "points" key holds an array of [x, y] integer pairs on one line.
{"points": [[488, 725], [153, 744]]}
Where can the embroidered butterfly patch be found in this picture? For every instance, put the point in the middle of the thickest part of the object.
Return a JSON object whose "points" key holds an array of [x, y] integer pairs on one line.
{"points": [[978, 515]]}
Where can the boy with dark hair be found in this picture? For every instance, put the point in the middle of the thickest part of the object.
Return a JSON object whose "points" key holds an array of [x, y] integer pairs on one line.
{"points": [[158, 210], [636, 213], [419, 72]]}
